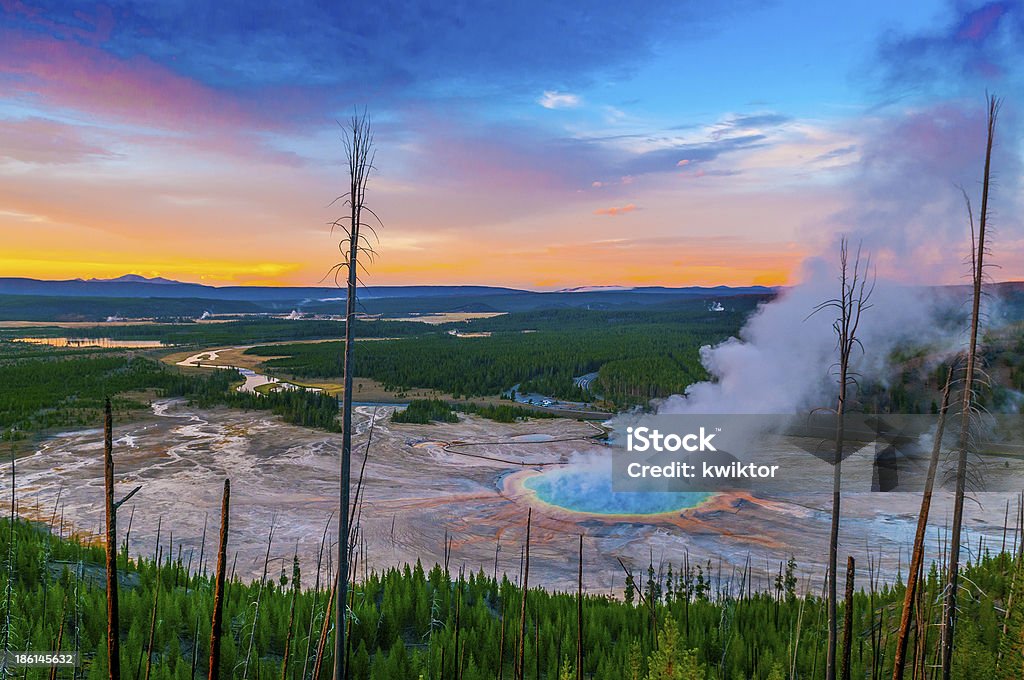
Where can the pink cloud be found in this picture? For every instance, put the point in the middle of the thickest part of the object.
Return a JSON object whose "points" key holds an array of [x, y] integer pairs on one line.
{"points": [[37, 140], [615, 211], [66, 74]]}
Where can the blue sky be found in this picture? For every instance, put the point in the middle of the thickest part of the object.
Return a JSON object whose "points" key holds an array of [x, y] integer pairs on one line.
{"points": [[527, 143]]}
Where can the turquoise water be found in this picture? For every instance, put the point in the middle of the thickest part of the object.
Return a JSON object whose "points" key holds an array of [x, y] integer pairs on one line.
{"points": [[590, 491]]}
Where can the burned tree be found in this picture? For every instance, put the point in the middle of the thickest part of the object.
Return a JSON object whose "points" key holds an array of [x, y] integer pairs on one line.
{"points": [[967, 398], [291, 616], [359, 149], [917, 556], [113, 622], [521, 654], [855, 287], [218, 592]]}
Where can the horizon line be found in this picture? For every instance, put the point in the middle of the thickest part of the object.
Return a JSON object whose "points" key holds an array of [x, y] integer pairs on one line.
{"points": [[581, 288]]}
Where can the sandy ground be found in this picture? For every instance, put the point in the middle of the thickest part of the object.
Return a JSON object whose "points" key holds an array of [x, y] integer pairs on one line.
{"points": [[424, 482]]}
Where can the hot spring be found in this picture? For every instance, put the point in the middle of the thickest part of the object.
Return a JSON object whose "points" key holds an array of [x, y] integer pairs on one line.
{"points": [[589, 490]]}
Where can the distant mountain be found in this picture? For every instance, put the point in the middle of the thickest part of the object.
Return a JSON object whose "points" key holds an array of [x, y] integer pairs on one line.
{"points": [[134, 286], [136, 296], [111, 297], [710, 290], [133, 278], [594, 289]]}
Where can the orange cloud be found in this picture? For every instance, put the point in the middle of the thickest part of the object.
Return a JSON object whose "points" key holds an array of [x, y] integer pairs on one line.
{"points": [[615, 211]]}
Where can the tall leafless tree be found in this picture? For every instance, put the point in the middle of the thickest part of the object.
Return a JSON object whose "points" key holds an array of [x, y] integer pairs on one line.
{"points": [[521, 656], [218, 592], [856, 285], [967, 400], [8, 620], [579, 616], [291, 615], [917, 556], [257, 603], [848, 618], [152, 619], [355, 249], [113, 622]]}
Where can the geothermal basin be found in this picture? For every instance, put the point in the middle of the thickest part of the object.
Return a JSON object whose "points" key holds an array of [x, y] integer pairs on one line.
{"points": [[472, 482]]}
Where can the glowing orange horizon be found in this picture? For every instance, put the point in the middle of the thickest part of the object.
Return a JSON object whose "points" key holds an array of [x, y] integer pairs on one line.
{"points": [[594, 266], [240, 274]]}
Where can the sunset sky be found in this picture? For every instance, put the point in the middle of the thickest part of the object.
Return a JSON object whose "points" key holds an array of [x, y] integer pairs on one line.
{"points": [[530, 144]]}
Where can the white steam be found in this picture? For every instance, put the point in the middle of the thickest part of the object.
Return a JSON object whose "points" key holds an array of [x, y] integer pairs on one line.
{"points": [[783, 360]]}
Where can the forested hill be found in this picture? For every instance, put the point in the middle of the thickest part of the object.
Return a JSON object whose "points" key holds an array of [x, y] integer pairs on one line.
{"points": [[638, 355], [78, 300], [683, 621]]}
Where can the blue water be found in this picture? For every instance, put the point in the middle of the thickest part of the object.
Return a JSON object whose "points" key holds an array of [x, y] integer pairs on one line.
{"points": [[590, 491]]}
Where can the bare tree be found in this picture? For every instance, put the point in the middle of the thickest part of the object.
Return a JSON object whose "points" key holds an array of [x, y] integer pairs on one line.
{"points": [[152, 619], [257, 603], [848, 618], [855, 290], [967, 404], [917, 556], [359, 148], [291, 615], [579, 616], [8, 621], [521, 657], [218, 592], [113, 622]]}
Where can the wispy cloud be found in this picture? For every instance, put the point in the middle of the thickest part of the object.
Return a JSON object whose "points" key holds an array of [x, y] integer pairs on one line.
{"points": [[672, 156], [748, 122], [833, 154], [39, 140], [615, 211], [559, 100], [985, 42]]}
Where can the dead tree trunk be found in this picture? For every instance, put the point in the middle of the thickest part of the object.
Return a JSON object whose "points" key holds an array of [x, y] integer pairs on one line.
{"points": [[359, 147], [848, 618], [978, 246], [153, 619], [195, 652], [458, 626], [321, 647], [917, 557], [521, 658], [60, 636], [313, 608], [256, 610], [218, 592], [113, 621], [853, 298], [501, 643], [291, 616], [9, 588], [579, 616]]}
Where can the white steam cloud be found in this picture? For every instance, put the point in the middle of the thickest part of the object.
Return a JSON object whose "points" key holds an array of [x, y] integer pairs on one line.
{"points": [[782, 360], [906, 210]]}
